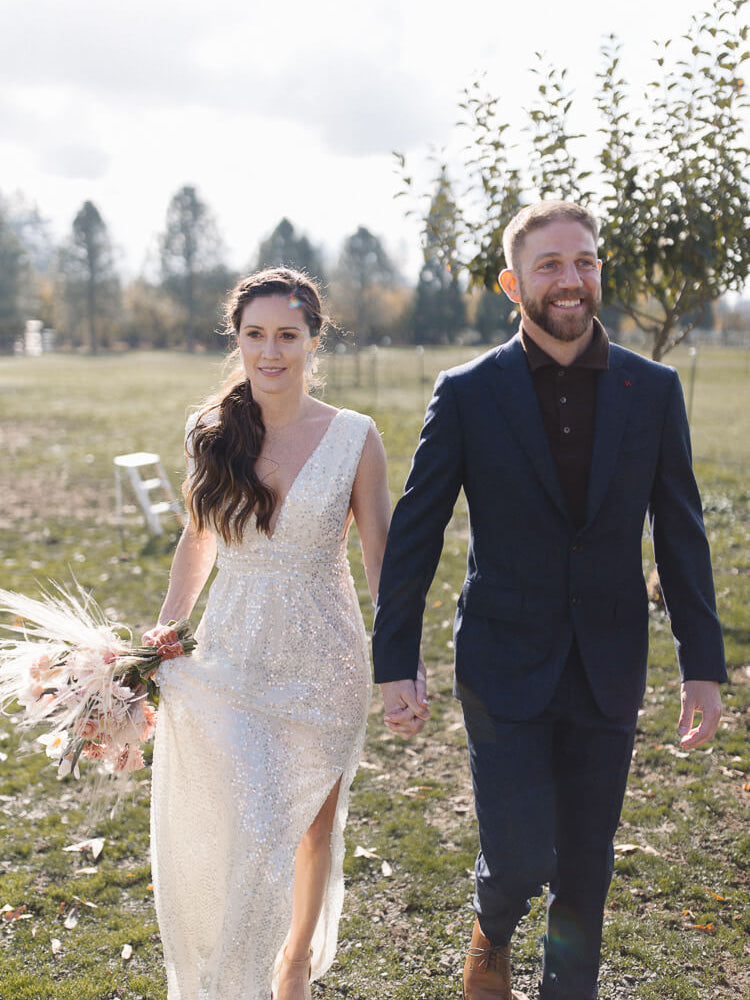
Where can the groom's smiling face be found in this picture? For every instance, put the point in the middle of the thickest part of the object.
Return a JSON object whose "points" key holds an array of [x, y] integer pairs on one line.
{"points": [[558, 279]]}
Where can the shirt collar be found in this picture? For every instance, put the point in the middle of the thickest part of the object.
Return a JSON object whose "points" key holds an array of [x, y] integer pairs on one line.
{"points": [[596, 355]]}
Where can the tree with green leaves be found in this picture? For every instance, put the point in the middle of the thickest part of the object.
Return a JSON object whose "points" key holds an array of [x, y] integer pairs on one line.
{"points": [[36, 282], [676, 222], [32, 230], [364, 275], [670, 185], [12, 269], [192, 268], [439, 308], [495, 319], [86, 271], [285, 248]]}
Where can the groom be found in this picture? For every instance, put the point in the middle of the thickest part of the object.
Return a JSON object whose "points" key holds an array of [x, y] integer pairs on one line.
{"points": [[563, 443]]}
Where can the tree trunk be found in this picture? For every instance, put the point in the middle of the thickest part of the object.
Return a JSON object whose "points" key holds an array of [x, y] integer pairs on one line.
{"points": [[91, 306], [190, 306]]}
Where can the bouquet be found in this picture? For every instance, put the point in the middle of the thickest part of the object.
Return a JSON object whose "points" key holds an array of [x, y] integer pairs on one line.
{"points": [[72, 672]]}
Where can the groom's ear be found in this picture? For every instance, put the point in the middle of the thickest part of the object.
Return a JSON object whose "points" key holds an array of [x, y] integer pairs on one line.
{"points": [[509, 285]]}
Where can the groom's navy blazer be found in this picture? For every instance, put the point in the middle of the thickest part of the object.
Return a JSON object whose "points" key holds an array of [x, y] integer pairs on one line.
{"points": [[534, 581]]}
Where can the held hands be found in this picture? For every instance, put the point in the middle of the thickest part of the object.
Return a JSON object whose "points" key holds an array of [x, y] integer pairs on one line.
{"points": [[405, 703], [703, 697]]}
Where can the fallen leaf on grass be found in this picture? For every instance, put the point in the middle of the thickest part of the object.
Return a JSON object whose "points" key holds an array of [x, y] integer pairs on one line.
{"points": [[732, 772], [362, 852], [95, 845], [625, 849], [86, 871], [386, 869], [670, 748], [56, 945], [746, 787], [86, 902], [71, 920], [720, 898], [708, 928], [19, 913], [369, 767], [127, 952], [415, 792]]}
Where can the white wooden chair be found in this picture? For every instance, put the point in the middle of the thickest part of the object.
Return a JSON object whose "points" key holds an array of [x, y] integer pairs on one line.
{"points": [[130, 466]]}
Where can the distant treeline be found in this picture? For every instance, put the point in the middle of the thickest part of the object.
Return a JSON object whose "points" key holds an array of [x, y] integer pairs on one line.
{"points": [[77, 290]]}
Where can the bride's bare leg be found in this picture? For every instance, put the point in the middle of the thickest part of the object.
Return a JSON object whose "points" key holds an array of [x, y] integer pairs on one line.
{"points": [[311, 870]]}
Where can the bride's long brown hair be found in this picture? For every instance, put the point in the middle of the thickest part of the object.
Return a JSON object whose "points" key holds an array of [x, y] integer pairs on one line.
{"points": [[224, 490]]}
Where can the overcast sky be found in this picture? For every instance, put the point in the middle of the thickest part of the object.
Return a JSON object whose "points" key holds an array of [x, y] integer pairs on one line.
{"points": [[275, 109]]}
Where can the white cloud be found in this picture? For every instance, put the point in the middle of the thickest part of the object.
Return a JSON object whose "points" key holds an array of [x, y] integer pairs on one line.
{"points": [[75, 160], [348, 85], [286, 109]]}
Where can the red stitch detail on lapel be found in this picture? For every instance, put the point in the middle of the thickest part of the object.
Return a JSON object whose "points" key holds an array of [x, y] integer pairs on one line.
{"points": [[628, 382]]}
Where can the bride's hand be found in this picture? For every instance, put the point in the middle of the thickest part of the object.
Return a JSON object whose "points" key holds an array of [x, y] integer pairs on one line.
{"points": [[165, 640]]}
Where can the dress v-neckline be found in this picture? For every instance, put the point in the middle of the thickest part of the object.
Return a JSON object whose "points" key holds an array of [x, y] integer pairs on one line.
{"points": [[282, 505]]}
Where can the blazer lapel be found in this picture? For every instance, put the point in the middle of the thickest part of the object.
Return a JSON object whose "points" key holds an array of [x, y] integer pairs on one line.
{"points": [[613, 401], [514, 393]]}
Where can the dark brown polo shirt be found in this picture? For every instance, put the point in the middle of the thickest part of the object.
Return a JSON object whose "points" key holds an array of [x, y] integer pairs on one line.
{"points": [[567, 401]]}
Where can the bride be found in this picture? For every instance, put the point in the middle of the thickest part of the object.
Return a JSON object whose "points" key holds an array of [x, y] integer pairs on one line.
{"points": [[261, 729]]}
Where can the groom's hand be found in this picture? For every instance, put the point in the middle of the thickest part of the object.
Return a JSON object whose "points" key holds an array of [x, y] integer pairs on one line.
{"points": [[703, 697], [405, 704]]}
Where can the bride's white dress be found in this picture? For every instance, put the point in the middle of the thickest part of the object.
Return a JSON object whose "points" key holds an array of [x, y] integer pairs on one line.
{"points": [[255, 729]]}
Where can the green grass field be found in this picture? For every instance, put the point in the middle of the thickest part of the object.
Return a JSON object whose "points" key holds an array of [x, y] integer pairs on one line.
{"points": [[678, 914]]}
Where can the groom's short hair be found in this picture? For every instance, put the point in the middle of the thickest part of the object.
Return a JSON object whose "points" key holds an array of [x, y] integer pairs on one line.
{"points": [[541, 214]]}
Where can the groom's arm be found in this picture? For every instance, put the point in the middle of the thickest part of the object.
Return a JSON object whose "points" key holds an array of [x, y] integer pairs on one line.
{"points": [[415, 539], [684, 564]]}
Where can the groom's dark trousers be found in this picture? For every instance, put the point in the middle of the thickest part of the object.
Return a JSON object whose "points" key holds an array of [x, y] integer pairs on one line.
{"points": [[551, 631], [548, 793]]}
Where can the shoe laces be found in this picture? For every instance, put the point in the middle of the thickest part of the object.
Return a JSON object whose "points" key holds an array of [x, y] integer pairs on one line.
{"points": [[490, 958]]}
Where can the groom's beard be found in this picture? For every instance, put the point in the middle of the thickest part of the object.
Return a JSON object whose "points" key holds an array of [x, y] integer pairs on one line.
{"points": [[555, 322]]}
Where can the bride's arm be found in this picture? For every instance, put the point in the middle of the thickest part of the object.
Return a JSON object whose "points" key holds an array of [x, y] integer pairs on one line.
{"points": [[371, 506], [192, 563], [405, 701]]}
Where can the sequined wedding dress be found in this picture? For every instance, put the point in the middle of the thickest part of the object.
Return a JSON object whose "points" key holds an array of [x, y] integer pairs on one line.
{"points": [[255, 729]]}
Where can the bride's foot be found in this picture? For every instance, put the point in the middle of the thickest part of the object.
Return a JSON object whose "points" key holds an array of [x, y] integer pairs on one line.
{"points": [[294, 978]]}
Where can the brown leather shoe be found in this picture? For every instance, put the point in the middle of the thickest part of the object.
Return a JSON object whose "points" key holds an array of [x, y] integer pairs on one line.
{"points": [[487, 969]]}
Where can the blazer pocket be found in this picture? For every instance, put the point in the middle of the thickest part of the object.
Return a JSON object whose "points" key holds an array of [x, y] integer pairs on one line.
{"points": [[488, 601]]}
